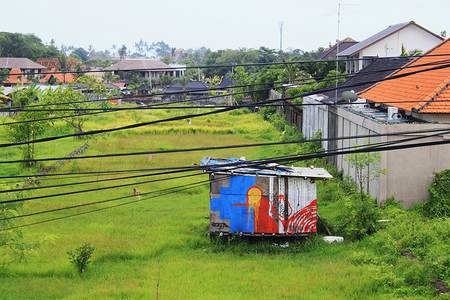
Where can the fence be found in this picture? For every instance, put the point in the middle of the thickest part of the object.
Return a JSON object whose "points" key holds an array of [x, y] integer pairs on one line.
{"points": [[292, 114]]}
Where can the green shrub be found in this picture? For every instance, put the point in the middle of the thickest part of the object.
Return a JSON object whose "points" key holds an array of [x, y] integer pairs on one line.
{"points": [[359, 217], [81, 257], [267, 112], [438, 205], [290, 133], [415, 248]]}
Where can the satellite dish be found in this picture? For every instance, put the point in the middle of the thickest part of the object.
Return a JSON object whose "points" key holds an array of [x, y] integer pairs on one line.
{"points": [[349, 96]]}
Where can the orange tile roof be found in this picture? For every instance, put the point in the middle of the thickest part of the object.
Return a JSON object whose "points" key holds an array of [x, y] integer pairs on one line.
{"points": [[60, 78], [423, 87], [16, 79]]}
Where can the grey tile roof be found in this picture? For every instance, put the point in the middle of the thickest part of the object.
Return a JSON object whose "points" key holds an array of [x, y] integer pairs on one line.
{"points": [[138, 64], [19, 63], [343, 45], [379, 69], [191, 86], [380, 35]]}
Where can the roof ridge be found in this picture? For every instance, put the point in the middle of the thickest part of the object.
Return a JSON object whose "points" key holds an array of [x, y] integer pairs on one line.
{"points": [[442, 87]]}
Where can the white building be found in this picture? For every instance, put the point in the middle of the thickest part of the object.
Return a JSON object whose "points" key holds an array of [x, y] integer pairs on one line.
{"points": [[146, 69], [389, 43]]}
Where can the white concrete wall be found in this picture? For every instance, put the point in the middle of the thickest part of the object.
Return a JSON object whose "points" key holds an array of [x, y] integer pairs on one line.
{"points": [[412, 37], [315, 118], [409, 171]]}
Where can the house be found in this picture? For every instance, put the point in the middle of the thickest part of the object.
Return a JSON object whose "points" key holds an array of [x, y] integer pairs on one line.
{"points": [[55, 77], [49, 62], [145, 69], [419, 102], [268, 199], [331, 52], [22, 70], [321, 118], [429, 89], [193, 89], [227, 82], [389, 42]]}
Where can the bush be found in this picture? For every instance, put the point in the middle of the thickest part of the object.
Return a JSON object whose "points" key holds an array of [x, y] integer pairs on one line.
{"points": [[415, 248], [438, 205], [267, 112], [359, 217], [81, 257]]}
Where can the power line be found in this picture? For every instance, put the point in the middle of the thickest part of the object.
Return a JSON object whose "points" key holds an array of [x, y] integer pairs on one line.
{"points": [[196, 149], [95, 189], [109, 200], [137, 125], [258, 162], [361, 150], [90, 181], [439, 67], [305, 81], [216, 66], [100, 209]]}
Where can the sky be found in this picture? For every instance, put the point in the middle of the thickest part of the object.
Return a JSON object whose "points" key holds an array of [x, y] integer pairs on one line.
{"points": [[215, 24]]}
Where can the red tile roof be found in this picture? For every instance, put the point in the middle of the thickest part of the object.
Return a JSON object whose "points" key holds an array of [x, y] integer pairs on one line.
{"points": [[60, 78], [424, 88], [16, 79]]}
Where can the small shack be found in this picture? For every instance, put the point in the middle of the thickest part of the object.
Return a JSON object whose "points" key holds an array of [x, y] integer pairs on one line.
{"points": [[256, 200]]}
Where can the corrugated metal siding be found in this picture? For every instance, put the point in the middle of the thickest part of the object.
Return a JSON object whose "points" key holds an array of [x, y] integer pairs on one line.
{"points": [[262, 205]]}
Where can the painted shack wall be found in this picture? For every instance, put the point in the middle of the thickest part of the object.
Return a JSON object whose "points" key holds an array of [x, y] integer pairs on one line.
{"points": [[250, 204]]}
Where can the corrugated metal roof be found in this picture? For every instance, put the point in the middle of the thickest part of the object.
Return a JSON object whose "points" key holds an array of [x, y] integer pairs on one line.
{"points": [[229, 165]]}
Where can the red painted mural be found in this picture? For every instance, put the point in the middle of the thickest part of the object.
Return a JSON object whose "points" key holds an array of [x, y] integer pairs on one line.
{"points": [[277, 216]]}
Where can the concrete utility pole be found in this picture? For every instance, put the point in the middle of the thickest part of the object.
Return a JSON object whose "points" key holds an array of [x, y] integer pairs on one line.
{"points": [[337, 47], [281, 36]]}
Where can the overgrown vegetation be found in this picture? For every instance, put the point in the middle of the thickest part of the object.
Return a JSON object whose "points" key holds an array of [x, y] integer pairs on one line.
{"points": [[438, 205], [407, 257]]}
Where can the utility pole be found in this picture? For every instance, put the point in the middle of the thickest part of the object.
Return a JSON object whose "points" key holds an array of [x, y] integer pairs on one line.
{"points": [[281, 36], [337, 47]]}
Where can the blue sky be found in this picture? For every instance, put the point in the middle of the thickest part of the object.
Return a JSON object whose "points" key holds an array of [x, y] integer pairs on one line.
{"points": [[215, 24]]}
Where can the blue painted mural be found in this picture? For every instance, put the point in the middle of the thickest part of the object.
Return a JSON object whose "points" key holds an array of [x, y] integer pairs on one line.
{"points": [[232, 204]]}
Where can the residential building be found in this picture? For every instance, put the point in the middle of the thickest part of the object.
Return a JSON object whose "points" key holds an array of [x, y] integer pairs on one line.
{"points": [[22, 70], [194, 89], [426, 94], [389, 42], [418, 102], [55, 77], [331, 52], [146, 69]]}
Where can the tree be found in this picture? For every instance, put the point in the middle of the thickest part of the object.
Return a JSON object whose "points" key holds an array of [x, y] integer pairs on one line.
{"points": [[12, 247], [109, 77], [67, 97], [3, 75], [27, 131], [122, 52], [81, 257], [80, 53], [24, 45], [161, 48], [366, 168], [141, 47]]}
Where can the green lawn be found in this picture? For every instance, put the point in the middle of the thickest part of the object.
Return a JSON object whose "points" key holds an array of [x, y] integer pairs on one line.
{"points": [[163, 241]]}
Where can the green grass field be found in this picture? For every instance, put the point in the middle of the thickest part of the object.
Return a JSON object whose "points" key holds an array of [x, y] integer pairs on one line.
{"points": [[160, 247]]}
